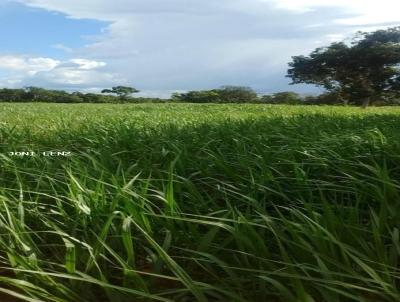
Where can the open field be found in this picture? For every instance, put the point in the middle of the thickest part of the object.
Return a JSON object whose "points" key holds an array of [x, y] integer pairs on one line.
{"points": [[180, 202]]}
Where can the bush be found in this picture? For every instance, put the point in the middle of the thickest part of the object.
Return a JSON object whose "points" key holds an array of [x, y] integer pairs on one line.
{"points": [[225, 94], [285, 97]]}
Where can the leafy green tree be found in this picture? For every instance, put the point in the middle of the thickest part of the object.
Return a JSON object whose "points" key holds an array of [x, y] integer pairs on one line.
{"points": [[95, 98], [204, 96], [121, 91], [363, 72], [237, 94], [286, 97], [37, 94], [13, 95], [266, 99], [225, 94]]}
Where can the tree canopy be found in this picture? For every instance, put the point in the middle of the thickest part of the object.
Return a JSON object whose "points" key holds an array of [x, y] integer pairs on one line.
{"points": [[121, 91], [365, 71], [37, 94], [224, 94], [284, 97]]}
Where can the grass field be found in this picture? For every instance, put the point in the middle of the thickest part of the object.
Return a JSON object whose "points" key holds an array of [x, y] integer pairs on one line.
{"points": [[180, 202]]}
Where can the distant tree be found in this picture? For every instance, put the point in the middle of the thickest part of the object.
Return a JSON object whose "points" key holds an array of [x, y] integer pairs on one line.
{"points": [[204, 96], [362, 72], [121, 91], [60, 96], [266, 99], [94, 98], [225, 94], [36, 94], [327, 98], [237, 94], [13, 95], [286, 97]]}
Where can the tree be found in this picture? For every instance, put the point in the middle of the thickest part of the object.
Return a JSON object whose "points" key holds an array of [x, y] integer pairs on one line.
{"points": [[13, 95], [237, 94], [266, 99], [37, 94], [225, 94], [121, 91], [327, 98], [204, 96], [363, 72], [286, 97]]}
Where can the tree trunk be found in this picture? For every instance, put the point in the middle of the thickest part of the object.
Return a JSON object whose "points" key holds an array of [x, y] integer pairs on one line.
{"points": [[365, 102], [344, 101]]}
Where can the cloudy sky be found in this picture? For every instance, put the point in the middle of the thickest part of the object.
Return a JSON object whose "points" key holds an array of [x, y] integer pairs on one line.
{"points": [[161, 46]]}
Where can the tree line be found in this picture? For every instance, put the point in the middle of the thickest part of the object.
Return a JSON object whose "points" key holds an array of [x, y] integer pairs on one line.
{"points": [[363, 72], [37, 94], [225, 94], [124, 94]]}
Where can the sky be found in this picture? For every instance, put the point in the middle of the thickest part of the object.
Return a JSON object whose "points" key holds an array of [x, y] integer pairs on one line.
{"points": [[164, 46]]}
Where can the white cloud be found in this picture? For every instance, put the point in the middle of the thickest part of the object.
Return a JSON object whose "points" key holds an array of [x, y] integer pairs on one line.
{"points": [[27, 71], [62, 47], [27, 65], [335, 37], [87, 64], [65, 76], [366, 11]]}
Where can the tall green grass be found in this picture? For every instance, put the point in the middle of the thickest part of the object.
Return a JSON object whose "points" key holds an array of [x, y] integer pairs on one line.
{"points": [[200, 203]]}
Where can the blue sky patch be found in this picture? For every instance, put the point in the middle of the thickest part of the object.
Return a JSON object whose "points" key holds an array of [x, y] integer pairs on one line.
{"points": [[35, 31]]}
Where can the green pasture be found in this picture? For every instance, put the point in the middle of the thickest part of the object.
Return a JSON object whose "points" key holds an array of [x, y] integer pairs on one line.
{"points": [[185, 202]]}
